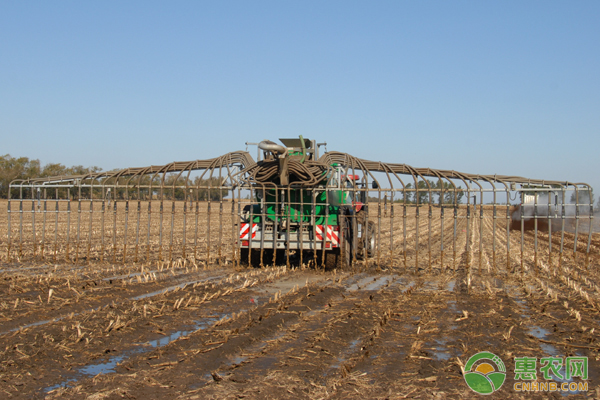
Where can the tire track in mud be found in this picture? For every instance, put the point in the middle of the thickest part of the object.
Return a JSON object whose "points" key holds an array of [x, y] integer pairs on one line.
{"points": [[413, 346], [52, 299], [340, 354], [324, 347], [453, 326], [255, 342], [310, 345], [16, 281], [134, 326], [402, 348], [248, 328], [70, 295]]}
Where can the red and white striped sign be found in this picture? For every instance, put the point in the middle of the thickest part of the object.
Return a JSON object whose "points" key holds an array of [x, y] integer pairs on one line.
{"points": [[332, 236], [245, 228]]}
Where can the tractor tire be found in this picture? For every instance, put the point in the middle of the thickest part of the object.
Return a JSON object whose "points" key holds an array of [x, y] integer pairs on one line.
{"points": [[347, 254], [267, 257], [244, 256], [250, 258], [339, 258], [369, 232], [332, 259], [371, 239]]}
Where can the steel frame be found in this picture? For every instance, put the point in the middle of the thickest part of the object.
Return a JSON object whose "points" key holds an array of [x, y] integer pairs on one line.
{"points": [[178, 210]]}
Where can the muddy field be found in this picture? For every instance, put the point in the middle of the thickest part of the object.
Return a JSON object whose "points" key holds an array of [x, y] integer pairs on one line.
{"points": [[200, 328]]}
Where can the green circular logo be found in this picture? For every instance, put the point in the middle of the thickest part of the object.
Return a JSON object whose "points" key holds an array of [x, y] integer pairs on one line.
{"points": [[486, 377]]}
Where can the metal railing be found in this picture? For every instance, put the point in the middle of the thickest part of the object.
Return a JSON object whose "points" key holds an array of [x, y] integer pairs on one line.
{"points": [[424, 218]]}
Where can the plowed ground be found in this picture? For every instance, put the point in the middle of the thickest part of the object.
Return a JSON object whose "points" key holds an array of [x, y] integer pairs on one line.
{"points": [[188, 331]]}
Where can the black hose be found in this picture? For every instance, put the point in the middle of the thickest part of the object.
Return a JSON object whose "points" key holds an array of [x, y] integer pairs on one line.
{"points": [[309, 173]]}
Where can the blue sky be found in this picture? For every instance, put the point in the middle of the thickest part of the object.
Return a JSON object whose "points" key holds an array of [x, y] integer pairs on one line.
{"points": [[483, 87]]}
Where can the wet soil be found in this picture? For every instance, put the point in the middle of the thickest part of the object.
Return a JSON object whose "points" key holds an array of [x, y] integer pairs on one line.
{"points": [[280, 332], [402, 325]]}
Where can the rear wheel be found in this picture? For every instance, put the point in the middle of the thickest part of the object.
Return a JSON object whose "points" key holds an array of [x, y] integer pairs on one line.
{"points": [[347, 253], [366, 239], [244, 256], [267, 257], [349, 232], [339, 258], [371, 239], [332, 258], [250, 257]]}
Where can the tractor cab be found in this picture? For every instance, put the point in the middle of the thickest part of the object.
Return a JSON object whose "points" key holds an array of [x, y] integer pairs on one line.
{"points": [[346, 189]]}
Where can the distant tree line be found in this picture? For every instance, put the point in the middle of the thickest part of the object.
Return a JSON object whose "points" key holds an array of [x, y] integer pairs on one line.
{"points": [[210, 188], [441, 193], [12, 168], [447, 194], [583, 197]]}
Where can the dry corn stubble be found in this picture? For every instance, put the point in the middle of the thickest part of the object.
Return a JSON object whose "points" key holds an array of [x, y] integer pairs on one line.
{"points": [[260, 334]]}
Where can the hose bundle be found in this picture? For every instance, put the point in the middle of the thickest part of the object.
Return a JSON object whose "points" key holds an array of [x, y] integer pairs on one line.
{"points": [[309, 173]]}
